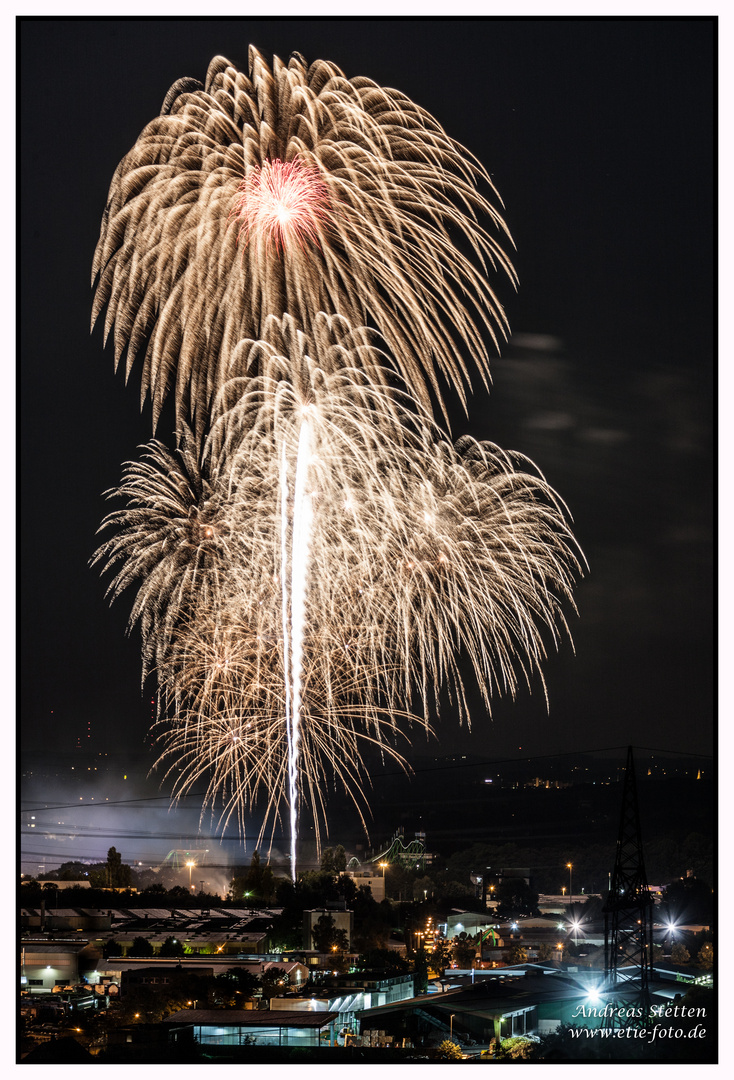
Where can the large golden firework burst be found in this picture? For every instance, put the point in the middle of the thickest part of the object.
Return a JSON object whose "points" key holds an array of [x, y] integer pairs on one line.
{"points": [[295, 190], [419, 552]]}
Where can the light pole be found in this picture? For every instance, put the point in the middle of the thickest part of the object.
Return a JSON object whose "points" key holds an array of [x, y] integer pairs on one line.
{"points": [[451, 1026], [570, 882], [191, 866], [384, 866]]}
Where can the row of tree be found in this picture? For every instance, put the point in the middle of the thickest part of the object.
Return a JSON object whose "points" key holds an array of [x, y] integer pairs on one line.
{"points": [[688, 897]]}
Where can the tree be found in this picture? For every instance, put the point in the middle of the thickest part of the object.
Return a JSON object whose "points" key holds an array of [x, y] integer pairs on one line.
{"points": [[273, 982], [119, 875], [705, 958], [688, 900], [516, 1048], [422, 888], [545, 951], [515, 897], [171, 947], [327, 938], [383, 959], [258, 882], [68, 871], [232, 988], [334, 860], [141, 947], [372, 921], [286, 932], [441, 956], [179, 894], [449, 1051], [111, 948], [244, 981], [518, 954], [679, 954], [327, 860], [420, 971], [464, 950]]}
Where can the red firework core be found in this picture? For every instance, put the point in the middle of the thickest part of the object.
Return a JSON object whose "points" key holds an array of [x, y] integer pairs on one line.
{"points": [[284, 202]]}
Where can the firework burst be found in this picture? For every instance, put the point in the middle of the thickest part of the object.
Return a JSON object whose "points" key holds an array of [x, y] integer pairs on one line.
{"points": [[374, 213], [316, 629]]}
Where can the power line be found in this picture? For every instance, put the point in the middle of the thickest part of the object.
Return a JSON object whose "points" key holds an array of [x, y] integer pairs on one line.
{"points": [[447, 767]]}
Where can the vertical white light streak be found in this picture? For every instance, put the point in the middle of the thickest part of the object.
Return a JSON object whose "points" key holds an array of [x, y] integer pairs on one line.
{"points": [[286, 621], [294, 583]]}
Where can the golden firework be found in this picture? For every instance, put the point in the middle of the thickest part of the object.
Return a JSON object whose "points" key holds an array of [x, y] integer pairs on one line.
{"points": [[422, 558], [295, 190]]}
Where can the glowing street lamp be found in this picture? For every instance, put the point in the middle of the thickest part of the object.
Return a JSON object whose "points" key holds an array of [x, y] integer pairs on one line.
{"points": [[191, 866], [570, 882]]}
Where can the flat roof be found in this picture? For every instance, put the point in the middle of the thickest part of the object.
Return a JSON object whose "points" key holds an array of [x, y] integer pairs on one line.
{"points": [[55, 946], [272, 1018]]}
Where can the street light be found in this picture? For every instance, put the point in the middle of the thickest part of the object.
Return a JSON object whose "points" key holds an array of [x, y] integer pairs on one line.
{"points": [[384, 866], [570, 882], [451, 1026], [191, 866]]}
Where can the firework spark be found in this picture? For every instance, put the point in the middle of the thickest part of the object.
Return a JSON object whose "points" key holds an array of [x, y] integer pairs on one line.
{"points": [[356, 555], [283, 203], [391, 224], [316, 556]]}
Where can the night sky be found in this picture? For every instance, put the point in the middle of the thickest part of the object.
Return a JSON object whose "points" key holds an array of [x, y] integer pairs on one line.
{"points": [[599, 137]]}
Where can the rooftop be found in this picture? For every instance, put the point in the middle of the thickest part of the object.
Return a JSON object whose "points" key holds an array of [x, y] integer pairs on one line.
{"points": [[251, 1018]]}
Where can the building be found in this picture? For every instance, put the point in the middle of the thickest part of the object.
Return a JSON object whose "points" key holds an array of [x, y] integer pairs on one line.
{"points": [[88, 920], [354, 993], [374, 882], [231, 1027], [46, 963], [159, 971], [202, 931], [530, 1001], [466, 922], [559, 904]]}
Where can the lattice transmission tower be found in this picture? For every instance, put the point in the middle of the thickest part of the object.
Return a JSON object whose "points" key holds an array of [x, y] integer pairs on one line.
{"points": [[628, 918]]}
